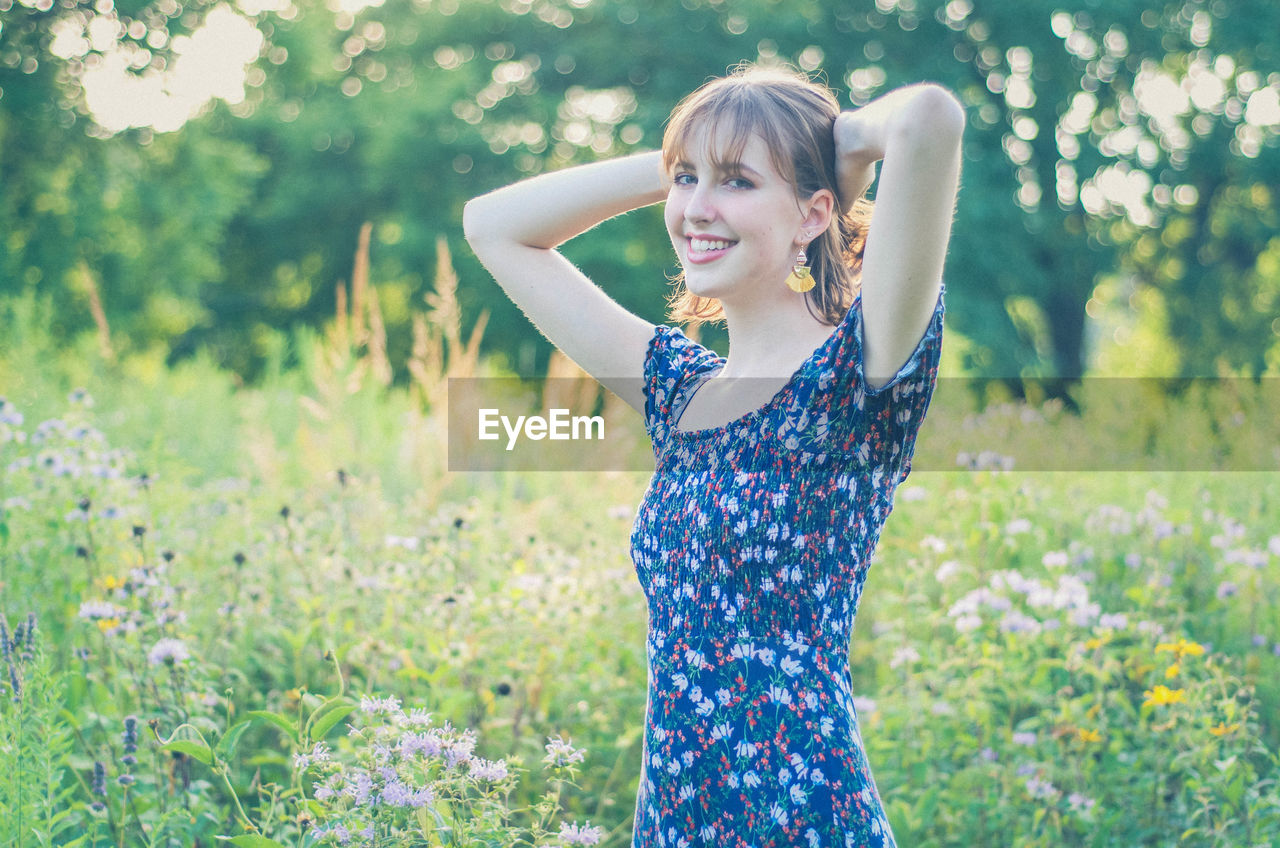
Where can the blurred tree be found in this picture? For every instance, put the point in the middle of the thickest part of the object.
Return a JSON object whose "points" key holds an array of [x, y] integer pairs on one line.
{"points": [[1124, 135], [143, 212]]}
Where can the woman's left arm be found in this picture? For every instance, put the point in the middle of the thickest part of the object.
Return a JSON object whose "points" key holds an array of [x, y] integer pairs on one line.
{"points": [[917, 131]]}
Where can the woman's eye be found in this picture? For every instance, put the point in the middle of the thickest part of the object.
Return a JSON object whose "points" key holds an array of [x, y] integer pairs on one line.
{"points": [[683, 179], [741, 182]]}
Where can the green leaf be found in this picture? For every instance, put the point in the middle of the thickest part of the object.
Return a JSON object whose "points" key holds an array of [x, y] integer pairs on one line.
{"points": [[186, 739], [278, 720], [197, 750], [251, 840], [324, 725], [227, 744]]}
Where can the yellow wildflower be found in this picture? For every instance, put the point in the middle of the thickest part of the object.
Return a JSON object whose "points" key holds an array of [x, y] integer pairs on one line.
{"points": [[1087, 735], [1182, 648], [1222, 728], [1172, 671], [105, 624], [1162, 695], [111, 582], [1093, 644]]}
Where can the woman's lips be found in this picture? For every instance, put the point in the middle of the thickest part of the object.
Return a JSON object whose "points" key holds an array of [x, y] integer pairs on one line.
{"points": [[703, 249]]}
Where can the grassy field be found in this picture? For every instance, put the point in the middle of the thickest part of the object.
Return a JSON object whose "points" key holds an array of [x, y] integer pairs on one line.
{"points": [[229, 611]]}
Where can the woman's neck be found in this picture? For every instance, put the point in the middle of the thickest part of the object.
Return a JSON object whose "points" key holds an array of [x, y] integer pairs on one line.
{"points": [[771, 339]]}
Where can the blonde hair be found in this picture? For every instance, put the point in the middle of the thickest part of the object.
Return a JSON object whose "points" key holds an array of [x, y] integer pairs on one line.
{"points": [[795, 116]]}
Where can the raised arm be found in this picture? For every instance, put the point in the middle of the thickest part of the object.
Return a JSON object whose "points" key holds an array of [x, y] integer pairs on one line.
{"points": [[515, 232], [917, 131]]}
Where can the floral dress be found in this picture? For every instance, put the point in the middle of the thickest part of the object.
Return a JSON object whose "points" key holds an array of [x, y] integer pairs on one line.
{"points": [[752, 544]]}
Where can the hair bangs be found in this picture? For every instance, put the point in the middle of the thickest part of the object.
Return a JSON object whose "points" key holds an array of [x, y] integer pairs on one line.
{"points": [[722, 122]]}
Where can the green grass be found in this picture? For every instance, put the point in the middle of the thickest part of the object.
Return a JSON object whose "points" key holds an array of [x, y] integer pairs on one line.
{"points": [[515, 612]]}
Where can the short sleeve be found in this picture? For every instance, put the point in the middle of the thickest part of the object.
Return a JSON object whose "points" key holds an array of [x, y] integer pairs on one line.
{"points": [[670, 364], [885, 420]]}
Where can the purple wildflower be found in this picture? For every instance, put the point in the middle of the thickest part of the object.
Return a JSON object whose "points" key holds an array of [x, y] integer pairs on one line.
{"points": [[168, 651], [572, 834], [561, 753]]}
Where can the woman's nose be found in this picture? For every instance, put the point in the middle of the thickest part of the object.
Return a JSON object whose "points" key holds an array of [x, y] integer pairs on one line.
{"points": [[700, 206]]}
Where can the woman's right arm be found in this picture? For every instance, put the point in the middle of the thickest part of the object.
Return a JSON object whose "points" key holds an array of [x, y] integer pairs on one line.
{"points": [[515, 232]]}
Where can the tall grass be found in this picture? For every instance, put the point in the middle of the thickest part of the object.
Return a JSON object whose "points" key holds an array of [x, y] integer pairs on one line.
{"points": [[233, 583]]}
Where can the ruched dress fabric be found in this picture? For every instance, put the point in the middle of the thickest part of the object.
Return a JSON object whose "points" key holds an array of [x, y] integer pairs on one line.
{"points": [[752, 544]]}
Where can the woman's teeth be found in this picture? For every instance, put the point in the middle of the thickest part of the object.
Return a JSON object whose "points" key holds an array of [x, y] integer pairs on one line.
{"points": [[709, 244]]}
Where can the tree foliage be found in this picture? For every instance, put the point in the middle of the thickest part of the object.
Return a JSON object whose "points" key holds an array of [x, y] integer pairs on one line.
{"points": [[1112, 149]]}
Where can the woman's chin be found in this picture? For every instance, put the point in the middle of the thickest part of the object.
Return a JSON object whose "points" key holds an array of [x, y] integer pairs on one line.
{"points": [[702, 288]]}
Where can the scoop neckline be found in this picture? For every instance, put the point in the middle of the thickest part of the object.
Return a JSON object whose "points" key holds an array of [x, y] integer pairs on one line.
{"points": [[720, 361]]}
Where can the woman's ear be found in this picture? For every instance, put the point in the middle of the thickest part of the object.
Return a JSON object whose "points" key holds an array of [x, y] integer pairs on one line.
{"points": [[817, 210]]}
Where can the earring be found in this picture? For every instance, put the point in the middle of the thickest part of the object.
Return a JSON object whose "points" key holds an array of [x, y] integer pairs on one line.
{"points": [[801, 277]]}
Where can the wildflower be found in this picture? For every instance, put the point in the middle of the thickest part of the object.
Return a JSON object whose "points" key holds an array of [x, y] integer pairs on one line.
{"points": [[560, 753], [1182, 648], [946, 571], [459, 751], [1162, 695], [902, 656], [572, 834], [488, 769], [864, 706], [1222, 728], [396, 794], [1018, 525], [168, 651], [1087, 735], [359, 787], [1226, 589], [1080, 803], [375, 706], [1054, 559], [427, 743], [130, 734], [99, 779], [1041, 788], [1024, 738], [989, 754], [125, 779], [417, 717], [1113, 621], [1017, 622], [99, 610]]}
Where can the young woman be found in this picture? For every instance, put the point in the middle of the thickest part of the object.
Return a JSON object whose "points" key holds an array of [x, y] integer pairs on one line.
{"points": [[776, 466]]}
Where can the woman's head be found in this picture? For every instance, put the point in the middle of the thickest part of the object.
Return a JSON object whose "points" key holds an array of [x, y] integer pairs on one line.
{"points": [[795, 119]]}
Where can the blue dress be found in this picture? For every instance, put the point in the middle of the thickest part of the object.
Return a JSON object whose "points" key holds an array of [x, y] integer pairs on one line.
{"points": [[752, 544]]}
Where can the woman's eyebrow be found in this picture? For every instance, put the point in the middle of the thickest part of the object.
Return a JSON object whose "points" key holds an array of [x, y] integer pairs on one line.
{"points": [[722, 167]]}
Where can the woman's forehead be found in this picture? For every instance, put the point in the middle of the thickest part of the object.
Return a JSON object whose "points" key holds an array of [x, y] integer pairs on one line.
{"points": [[725, 147]]}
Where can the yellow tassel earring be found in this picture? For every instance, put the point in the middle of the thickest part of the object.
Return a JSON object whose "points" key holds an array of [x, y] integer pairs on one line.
{"points": [[801, 277]]}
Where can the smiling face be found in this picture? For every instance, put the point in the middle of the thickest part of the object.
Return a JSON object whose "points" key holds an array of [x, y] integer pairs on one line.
{"points": [[736, 223]]}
